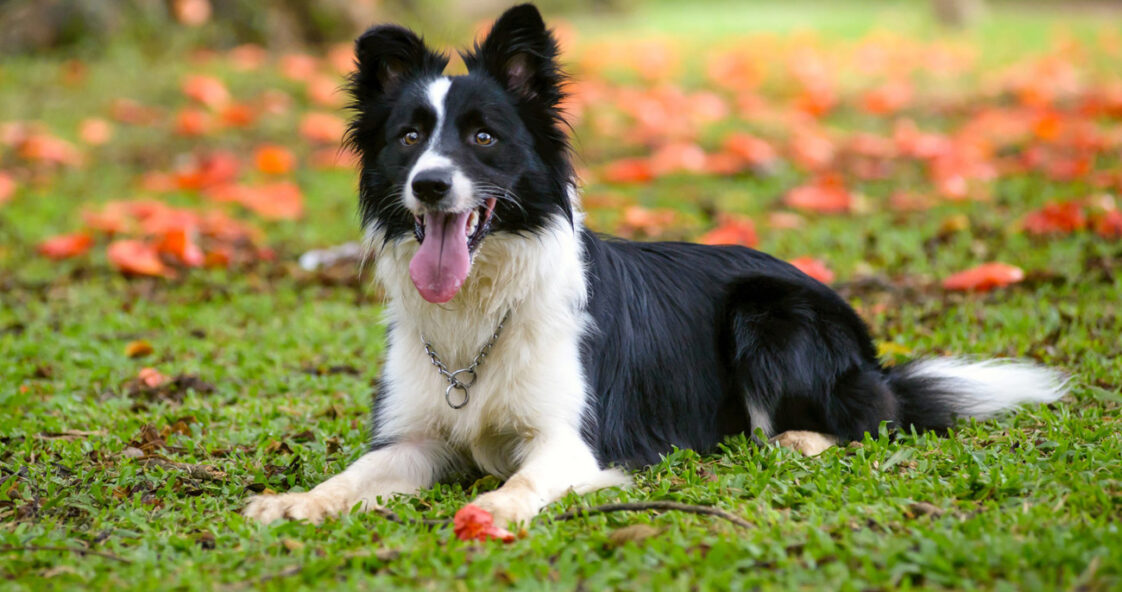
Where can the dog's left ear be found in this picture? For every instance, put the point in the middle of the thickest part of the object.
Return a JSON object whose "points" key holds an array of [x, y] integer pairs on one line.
{"points": [[521, 54]]}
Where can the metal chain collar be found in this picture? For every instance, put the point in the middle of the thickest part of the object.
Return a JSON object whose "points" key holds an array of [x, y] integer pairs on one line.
{"points": [[453, 377]]}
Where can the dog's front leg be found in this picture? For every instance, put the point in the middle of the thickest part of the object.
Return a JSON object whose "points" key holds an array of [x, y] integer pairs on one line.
{"points": [[400, 468], [554, 465]]}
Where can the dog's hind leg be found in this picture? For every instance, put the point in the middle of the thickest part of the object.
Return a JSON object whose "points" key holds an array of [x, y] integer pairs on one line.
{"points": [[805, 363], [400, 468]]}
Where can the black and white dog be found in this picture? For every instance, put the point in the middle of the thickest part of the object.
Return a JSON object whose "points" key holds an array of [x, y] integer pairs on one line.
{"points": [[582, 355]]}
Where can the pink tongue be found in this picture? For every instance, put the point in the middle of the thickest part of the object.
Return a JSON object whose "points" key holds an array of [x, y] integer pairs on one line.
{"points": [[441, 264]]}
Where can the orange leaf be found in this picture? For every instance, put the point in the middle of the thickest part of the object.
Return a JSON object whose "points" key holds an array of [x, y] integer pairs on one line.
{"points": [[95, 131], [887, 99], [1109, 225], [298, 66], [247, 57], [473, 523], [731, 231], [207, 90], [138, 349], [325, 91], [193, 122], [274, 201], [984, 277], [273, 160], [628, 170], [180, 243], [237, 115], [323, 128], [756, 152], [8, 187], [136, 257], [191, 12], [678, 157], [815, 268], [66, 245], [150, 377], [824, 194], [1056, 218], [649, 222]]}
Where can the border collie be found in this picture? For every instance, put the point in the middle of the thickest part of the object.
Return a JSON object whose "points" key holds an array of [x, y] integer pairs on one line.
{"points": [[524, 345]]}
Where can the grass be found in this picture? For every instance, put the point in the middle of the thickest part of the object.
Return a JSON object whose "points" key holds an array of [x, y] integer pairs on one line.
{"points": [[1031, 501]]}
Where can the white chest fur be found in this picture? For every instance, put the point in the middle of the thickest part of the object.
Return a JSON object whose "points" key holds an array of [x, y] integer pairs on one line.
{"points": [[531, 383]]}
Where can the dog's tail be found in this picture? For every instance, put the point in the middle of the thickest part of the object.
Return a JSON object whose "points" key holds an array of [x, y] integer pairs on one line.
{"points": [[934, 393]]}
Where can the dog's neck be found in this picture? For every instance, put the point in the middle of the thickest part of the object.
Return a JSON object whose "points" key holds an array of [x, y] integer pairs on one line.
{"points": [[537, 277]]}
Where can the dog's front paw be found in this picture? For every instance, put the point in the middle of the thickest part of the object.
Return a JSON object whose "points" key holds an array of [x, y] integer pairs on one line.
{"points": [[312, 506], [509, 509]]}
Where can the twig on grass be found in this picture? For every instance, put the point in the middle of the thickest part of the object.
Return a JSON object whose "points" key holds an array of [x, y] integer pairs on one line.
{"points": [[654, 505], [66, 550], [205, 472]]}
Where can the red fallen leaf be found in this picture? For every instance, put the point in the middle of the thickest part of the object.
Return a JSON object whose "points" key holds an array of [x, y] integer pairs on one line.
{"points": [[298, 66], [207, 90], [628, 170], [824, 194], [1056, 218], [180, 243], [731, 231], [984, 277], [95, 131], [473, 523], [334, 158], [323, 128], [756, 152], [218, 257], [275, 201], [150, 377], [7, 187], [1109, 224], [273, 160], [66, 245], [724, 163], [109, 221], [136, 257], [191, 12], [678, 157], [815, 268], [650, 222], [208, 170], [325, 91], [43, 147], [247, 57], [342, 57], [237, 115], [133, 113], [887, 99], [812, 149], [193, 122]]}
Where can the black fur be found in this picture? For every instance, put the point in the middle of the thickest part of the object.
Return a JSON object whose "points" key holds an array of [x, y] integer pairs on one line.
{"points": [[684, 335]]}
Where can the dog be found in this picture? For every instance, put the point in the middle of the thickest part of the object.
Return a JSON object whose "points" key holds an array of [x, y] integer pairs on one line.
{"points": [[522, 344]]}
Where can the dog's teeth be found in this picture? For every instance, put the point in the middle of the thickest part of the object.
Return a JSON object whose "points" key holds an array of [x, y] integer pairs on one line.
{"points": [[473, 222]]}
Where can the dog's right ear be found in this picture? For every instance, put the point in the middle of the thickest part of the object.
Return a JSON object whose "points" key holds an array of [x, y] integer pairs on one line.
{"points": [[388, 54]]}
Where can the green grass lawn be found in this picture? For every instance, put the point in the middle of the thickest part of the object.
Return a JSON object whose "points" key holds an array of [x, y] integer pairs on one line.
{"points": [[106, 485]]}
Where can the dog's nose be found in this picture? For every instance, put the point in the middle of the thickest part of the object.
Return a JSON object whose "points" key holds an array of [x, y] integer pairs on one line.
{"points": [[432, 185]]}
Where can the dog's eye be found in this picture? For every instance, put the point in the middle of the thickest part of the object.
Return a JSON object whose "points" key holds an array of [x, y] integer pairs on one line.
{"points": [[410, 137], [484, 138]]}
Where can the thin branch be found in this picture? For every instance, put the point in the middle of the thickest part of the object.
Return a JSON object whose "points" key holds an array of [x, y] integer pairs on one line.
{"points": [[67, 550], [393, 517], [654, 505]]}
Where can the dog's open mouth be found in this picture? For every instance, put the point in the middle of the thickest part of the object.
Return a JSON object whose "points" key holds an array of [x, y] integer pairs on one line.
{"points": [[439, 267]]}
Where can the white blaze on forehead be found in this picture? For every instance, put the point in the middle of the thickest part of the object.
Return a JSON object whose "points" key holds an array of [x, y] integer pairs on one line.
{"points": [[431, 158]]}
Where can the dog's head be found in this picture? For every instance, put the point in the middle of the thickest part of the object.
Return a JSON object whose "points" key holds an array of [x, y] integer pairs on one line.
{"points": [[449, 160]]}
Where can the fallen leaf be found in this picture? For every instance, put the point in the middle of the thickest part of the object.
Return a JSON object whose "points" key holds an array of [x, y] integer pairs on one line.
{"points": [[136, 257], [8, 187], [66, 245], [95, 131], [323, 128], [1109, 224], [150, 377], [472, 523], [732, 230], [815, 268], [628, 170], [207, 90], [984, 277], [824, 194], [272, 159], [1056, 218], [292, 545], [138, 349]]}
